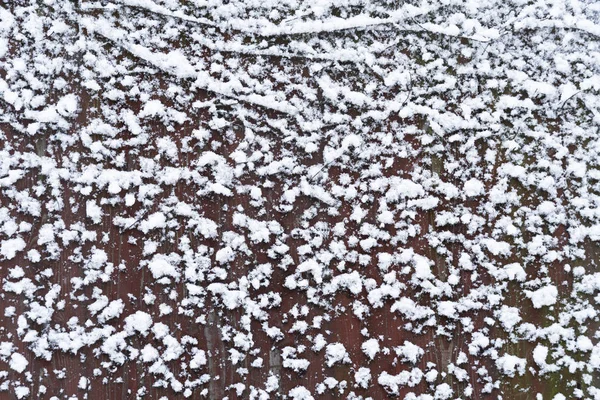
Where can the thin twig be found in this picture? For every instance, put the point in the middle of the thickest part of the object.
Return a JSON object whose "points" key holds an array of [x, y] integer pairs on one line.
{"points": [[564, 103], [450, 35]]}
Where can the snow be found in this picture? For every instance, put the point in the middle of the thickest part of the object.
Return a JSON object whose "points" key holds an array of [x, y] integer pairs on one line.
{"points": [[409, 352], [422, 267], [154, 221], [370, 347], [161, 266], [300, 393], [112, 310], [321, 198], [473, 187], [198, 360], [584, 343], [18, 362], [540, 353], [511, 365], [362, 377], [393, 383], [83, 383], [544, 296], [139, 321], [67, 105], [152, 108], [509, 317], [403, 188], [314, 267], [512, 271], [22, 392], [9, 248], [336, 353], [447, 309]]}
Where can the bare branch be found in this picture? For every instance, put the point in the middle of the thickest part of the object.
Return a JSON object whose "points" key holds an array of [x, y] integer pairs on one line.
{"points": [[184, 70]]}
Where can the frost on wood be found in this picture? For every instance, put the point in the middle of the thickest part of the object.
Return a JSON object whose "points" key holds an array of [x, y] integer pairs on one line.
{"points": [[325, 199]]}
